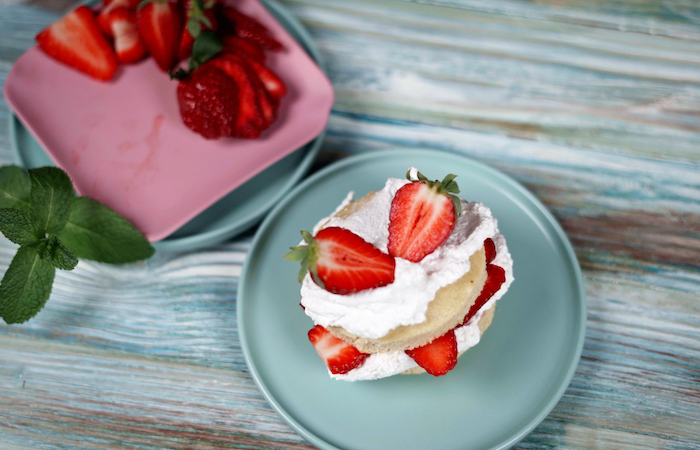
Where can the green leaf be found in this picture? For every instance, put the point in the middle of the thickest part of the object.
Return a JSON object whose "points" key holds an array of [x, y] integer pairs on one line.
{"points": [[53, 250], [50, 198], [98, 233], [26, 286], [14, 188], [194, 27], [205, 46], [18, 227]]}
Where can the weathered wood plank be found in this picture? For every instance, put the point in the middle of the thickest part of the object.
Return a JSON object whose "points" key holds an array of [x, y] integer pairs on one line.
{"points": [[594, 106]]}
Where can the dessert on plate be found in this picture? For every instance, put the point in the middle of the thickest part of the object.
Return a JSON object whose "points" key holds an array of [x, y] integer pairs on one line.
{"points": [[403, 280]]}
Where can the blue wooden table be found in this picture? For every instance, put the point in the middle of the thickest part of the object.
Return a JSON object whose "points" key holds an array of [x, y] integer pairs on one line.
{"points": [[594, 106]]}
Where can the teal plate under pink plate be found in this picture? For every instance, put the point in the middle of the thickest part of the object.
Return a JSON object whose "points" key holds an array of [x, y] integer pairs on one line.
{"points": [[123, 142], [499, 391]]}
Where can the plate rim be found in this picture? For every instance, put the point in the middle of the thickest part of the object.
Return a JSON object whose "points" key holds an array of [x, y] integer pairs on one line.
{"points": [[230, 229], [492, 172]]}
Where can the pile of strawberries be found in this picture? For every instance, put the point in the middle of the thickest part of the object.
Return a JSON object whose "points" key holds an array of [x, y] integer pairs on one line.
{"points": [[227, 90], [422, 216]]}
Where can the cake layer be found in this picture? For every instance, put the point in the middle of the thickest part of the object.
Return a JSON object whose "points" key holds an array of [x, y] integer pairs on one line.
{"points": [[446, 311]]}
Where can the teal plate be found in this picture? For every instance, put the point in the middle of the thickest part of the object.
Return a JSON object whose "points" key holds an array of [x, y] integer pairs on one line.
{"points": [[242, 207], [499, 391]]}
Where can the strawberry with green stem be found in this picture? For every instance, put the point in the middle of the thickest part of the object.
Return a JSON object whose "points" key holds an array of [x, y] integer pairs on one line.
{"points": [[341, 262], [423, 214]]}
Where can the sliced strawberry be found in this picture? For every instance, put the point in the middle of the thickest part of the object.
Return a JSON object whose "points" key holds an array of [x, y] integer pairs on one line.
{"points": [[76, 40], [269, 79], [438, 356], [160, 26], [127, 41], [490, 249], [109, 6], [236, 45], [266, 103], [248, 28], [422, 215], [495, 277], [207, 99], [339, 356], [342, 262], [199, 16], [250, 119]]}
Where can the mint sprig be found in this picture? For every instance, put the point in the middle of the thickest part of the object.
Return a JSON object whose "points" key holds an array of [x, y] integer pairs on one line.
{"points": [[40, 212]]}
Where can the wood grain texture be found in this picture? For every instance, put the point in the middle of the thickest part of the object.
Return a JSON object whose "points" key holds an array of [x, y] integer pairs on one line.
{"points": [[594, 106]]}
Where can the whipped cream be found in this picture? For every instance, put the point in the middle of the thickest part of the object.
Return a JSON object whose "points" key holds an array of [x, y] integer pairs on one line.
{"points": [[374, 312]]}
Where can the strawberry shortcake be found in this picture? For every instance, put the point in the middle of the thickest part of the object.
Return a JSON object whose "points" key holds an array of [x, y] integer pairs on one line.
{"points": [[403, 280]]}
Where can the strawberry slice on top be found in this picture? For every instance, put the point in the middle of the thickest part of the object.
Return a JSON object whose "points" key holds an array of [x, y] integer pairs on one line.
{"points": [[422, 215], [342, 262], [76, 40], [438, 356], [339, 356]]}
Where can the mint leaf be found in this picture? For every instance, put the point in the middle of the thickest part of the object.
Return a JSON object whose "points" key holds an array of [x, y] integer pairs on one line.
{"points": [[53, 250], [50, 198], [14, 188], [18, 227], [26, 286], [98, 233]]}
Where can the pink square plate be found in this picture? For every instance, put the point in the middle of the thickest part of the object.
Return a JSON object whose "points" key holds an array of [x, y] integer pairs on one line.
{"points": [[123, 142]]}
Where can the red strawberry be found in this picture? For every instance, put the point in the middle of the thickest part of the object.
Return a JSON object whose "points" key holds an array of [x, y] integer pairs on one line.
{"points": [[109, 6], [250, 119], [267, 105], [199, 16], [127, 41], [422, 215], [236, 45], [269, 79], [248, 28], [207, 99], [438, 356], [160, 25], [338, 355], [490, 249], [342, 262], [76, 40], [495, 277]]}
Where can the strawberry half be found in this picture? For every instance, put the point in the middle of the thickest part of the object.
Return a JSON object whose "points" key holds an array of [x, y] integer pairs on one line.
{"points": [[438, 356], [248, 28], [127, 41], [110, 5], [160, 26], [495, 277], [422, 215], [342, 262], [339, 356], [490, 249], [76, 40]]}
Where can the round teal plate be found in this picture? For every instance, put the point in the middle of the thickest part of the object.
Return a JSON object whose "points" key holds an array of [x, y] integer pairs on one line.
{"points": [[500, 390], [244, 206]]}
